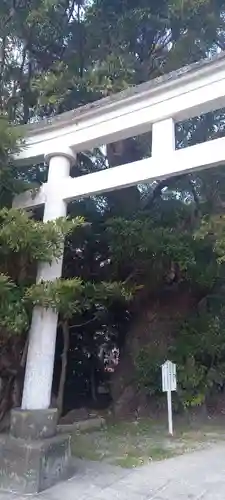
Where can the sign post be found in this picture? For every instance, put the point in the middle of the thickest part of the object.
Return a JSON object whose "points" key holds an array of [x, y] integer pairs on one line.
{"points": [[169, 384]]}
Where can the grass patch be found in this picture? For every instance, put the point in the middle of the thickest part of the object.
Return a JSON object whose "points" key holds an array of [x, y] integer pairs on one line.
{"points": [[157, 453], [82, 448], [129, 461], [134, 428], [132, 444]]}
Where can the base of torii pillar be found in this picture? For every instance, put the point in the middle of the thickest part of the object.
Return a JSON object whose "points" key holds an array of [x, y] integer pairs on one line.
{"points": [[33, 456]]}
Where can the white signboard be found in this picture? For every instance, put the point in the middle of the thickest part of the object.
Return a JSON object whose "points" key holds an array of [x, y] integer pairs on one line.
{"points": [[169, 376], [169, 384]]}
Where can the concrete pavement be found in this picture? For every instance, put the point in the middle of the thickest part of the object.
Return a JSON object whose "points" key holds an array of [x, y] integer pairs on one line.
{"points": [[194, 476]]}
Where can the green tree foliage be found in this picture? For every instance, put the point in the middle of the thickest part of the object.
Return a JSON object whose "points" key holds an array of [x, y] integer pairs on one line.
{"points": [[57, 55], [171, 257]]}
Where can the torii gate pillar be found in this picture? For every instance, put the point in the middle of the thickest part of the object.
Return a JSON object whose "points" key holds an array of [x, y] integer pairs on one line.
{"points": [[41, 351], [33, 456]]}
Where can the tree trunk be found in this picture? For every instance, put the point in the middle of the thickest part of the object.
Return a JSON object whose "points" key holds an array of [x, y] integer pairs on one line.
{"points": [[155, 325], [12, 363], [125, 200], [64, 357], [93, 379]]}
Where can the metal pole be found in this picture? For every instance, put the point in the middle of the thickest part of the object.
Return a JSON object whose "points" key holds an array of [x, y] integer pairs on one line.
{"points": [[170, 415]]}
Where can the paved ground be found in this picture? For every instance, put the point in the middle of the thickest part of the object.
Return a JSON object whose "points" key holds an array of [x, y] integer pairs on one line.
{"points": [[195, 476]]}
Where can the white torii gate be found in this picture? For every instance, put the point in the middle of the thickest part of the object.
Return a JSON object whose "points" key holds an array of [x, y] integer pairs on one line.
{"points": [[156, 106]]}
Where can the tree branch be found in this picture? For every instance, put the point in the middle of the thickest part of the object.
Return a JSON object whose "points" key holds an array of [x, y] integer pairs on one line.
{"points": [[2, 66], [71, 10], [195, 196], [156, 194]]}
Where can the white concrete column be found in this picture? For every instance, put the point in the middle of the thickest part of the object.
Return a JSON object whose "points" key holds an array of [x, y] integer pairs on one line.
{"points": [[41, 350], [163, 139]]}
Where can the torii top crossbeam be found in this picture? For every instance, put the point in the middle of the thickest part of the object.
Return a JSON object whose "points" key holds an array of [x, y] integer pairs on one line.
{"points": [[179, 95], [156, 105]]}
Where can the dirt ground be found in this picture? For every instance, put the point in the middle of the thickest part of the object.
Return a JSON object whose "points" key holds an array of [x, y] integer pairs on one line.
{"points": [[131, 444]]}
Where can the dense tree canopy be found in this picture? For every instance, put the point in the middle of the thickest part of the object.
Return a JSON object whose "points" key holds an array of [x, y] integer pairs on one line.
{"points": [[163, 243]]}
